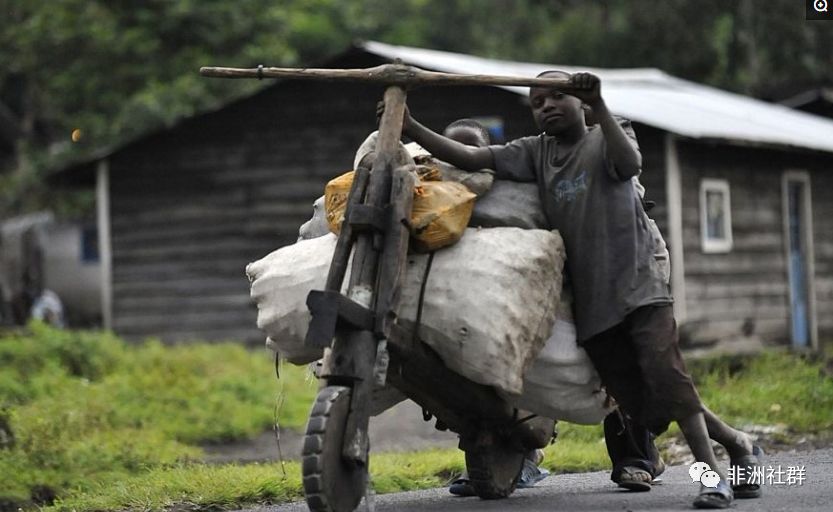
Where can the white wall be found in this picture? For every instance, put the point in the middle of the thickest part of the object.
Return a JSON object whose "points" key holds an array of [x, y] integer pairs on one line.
{"points": [[77, 283]]}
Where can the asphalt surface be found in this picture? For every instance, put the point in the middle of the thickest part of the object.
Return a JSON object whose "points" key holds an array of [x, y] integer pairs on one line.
{"points": [[594, 491], [399, 429]]}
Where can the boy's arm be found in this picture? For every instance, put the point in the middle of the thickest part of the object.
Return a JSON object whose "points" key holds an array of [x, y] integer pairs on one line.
{"points": [[468, 158], [627, 161]]}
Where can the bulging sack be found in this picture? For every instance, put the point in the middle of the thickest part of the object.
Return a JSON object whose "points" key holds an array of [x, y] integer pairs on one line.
{"points": [[488, 306], [510, 204], [562, 383], [489, 302], [280, 283]]}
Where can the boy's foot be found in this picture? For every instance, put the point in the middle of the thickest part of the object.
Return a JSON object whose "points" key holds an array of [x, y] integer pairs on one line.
{"points": [[742, 489], [715, 497], [531, 474], [634, 479]]}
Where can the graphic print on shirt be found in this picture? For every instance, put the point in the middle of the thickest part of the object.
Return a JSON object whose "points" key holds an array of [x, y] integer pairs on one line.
{"points": [[568, 190]]}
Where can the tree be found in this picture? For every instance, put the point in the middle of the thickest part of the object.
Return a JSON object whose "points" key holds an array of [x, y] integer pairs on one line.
{"points": [[115, 68]]}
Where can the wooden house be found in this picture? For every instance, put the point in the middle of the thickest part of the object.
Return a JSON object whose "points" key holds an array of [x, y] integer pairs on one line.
{"points": [[739, 184], [9, 135]]}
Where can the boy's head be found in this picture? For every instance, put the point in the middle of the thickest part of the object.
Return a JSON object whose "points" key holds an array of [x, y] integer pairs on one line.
{"points": [[469, 132], [554, 111]]}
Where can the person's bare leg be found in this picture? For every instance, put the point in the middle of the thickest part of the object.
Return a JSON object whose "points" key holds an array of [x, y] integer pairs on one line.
{"points": [[737, 443], [697, 436]]}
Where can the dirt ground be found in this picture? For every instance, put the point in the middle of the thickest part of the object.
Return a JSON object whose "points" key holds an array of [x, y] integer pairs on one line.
{"points": [[398, 429]]}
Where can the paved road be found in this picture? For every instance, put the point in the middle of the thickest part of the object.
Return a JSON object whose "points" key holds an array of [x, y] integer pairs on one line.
{"points": [[399, 429], [593, 491]]}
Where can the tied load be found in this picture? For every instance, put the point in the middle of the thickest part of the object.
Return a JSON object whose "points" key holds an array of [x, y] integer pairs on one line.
{"points": [[491, 300]]}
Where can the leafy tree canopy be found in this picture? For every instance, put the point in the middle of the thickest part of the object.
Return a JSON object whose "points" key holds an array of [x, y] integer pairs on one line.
{"points": [[113, 68]]}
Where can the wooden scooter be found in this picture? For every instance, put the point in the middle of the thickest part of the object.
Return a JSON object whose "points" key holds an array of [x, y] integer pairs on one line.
{"points": [[359, 330]]}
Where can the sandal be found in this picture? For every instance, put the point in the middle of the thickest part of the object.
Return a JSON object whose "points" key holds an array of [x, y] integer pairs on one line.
{"points": [[742, 489], [635, 479], [715, 497]]}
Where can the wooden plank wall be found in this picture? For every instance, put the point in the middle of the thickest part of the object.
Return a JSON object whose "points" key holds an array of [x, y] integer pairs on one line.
{"points": [[651, 144], [193, 205], [822, 192], [749, 284]]}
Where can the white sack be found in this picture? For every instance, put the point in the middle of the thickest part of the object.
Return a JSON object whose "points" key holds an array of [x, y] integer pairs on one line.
{"points": [[317, 225], [562, 383], [489, 303], [281, 282]]}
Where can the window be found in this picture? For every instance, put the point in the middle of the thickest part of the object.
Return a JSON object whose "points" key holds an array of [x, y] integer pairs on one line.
{"points": [[89, 244], [715, 216]]}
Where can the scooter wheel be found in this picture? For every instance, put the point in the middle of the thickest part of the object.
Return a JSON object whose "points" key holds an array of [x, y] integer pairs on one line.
{"points": [[494, 466], [330, 483]]}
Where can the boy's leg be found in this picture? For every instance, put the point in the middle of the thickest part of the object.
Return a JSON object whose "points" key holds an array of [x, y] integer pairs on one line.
{"points": [[697, 436], [670, 394], [742, 454], [737, 443], [630, 445]]}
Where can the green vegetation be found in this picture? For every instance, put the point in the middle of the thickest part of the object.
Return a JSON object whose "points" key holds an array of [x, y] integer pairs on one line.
{"points": [[84, 409], [775, 388], [103, 425]]}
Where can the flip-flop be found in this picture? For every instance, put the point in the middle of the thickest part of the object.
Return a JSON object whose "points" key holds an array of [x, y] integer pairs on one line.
{"points": [[742, 489], [715, 497], [634, 479]]}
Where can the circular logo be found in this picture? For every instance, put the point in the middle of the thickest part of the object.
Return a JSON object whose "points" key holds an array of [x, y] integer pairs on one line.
{"points": [[820, 5]]}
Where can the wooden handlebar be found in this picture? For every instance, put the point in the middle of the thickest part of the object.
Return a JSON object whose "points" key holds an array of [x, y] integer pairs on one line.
{"points": [[388, 74]]}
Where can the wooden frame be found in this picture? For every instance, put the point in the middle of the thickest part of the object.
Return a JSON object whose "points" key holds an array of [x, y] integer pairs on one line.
{"points": [[803, 179], [105, 247], [715, 216], [674, 199]]}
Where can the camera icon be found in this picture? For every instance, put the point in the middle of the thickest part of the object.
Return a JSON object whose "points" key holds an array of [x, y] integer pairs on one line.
{"points": [[820, 5]]}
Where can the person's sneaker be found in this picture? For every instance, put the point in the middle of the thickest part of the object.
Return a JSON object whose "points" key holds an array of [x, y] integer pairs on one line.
{"points": [[531, 474], [462, 486]]}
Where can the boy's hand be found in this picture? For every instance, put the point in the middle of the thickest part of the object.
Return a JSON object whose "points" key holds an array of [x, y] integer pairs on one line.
{"points": [[406, 117], [585, 86]]}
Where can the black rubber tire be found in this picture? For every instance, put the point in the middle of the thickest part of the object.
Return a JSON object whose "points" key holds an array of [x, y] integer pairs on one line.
{"points": [[494, 468], [330, 484]]}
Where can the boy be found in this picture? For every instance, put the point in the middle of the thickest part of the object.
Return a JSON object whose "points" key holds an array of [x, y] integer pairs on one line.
{"points": [[623, 307], [633, 454], [472, 133]]}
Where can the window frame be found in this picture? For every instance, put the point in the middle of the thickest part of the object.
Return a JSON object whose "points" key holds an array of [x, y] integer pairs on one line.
{"points": [[709, 244]]}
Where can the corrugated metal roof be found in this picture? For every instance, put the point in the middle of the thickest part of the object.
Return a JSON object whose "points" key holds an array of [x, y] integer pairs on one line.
{"points": [[654, 98]]}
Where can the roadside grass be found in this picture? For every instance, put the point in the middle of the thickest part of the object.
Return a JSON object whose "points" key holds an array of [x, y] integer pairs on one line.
{"points": [[90, 423], [774, 388], [79, 409]]}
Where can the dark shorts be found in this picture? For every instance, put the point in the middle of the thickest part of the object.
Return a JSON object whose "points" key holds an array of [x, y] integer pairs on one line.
{"points": [[640, 365]]}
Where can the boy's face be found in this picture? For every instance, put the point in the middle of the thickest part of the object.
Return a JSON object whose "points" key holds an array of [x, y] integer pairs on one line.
{"points": [[554, 111], [466, 135]]}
